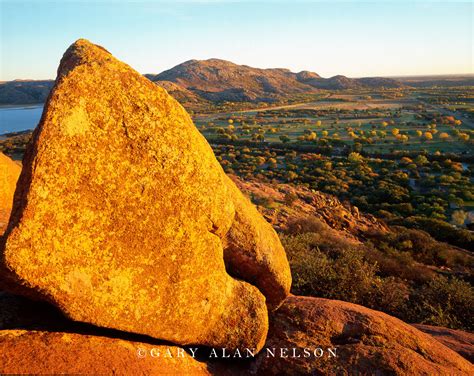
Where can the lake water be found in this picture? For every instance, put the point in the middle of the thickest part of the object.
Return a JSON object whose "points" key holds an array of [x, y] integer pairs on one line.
{"points": [[16, 119]]}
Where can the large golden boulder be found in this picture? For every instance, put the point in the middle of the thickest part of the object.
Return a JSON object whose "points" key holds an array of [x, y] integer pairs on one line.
{"points": [[9, 172], [124, 218]]}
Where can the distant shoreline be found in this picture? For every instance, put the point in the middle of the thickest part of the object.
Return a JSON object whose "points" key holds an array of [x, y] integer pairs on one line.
{"points": [[20, 106]]}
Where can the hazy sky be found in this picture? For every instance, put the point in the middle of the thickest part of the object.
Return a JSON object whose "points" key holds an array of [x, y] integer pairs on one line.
{"points": [[353, 38]]}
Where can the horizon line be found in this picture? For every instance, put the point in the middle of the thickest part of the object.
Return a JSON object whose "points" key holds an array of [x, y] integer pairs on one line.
{"points": [[394, 76]]}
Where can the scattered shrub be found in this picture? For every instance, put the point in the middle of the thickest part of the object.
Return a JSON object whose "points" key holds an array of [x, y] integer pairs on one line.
{"points": [[445, 302]]}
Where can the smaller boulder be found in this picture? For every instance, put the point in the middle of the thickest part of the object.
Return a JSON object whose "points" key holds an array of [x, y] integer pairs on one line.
{"points": [[9, 173], [366, 342], [38, 352]]}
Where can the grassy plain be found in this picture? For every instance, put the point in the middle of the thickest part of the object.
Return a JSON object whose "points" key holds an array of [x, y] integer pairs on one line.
{"points": [[381, 121]]}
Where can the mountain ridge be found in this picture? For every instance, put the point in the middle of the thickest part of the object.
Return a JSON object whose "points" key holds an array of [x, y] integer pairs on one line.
{"points": [[221, 80]]}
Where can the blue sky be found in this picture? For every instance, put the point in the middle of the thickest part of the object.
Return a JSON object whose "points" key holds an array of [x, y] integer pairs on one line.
{"points": [[353, 38]]}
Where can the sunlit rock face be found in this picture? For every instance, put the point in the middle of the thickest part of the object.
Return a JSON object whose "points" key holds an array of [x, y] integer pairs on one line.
{"points": [[123, 217], [9, 172]]}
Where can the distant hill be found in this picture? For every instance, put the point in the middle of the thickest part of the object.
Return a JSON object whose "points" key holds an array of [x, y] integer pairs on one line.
{"points": [[24, 91], [221, 80]]}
